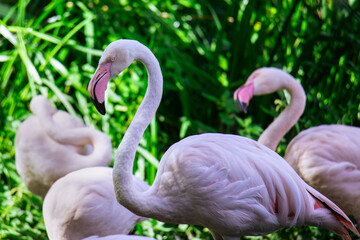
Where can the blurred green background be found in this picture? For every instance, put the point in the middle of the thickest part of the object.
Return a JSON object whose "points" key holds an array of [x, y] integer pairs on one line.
{"points": [[206, 50]]}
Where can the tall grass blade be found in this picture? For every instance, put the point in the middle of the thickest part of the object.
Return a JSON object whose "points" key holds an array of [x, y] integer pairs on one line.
{"points": [[8, 35], [61, 97], [148, 156], [32, 73], [64, 40]]}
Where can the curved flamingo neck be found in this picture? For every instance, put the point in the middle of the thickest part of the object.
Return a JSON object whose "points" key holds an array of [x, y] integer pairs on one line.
{"points": [[282, 124], [125, 190], [78, 137]]}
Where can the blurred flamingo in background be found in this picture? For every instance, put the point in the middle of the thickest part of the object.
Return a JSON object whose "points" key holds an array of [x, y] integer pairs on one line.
{"points": [[52, 143], [230, 184], [83, 203], [265, 81], [327, 157]]}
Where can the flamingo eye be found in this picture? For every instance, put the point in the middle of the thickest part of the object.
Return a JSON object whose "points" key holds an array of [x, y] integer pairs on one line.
{"points": [[112, 59]]}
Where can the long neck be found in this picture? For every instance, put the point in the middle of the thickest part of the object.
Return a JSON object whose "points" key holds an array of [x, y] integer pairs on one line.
{"points": [[125, 190], [282, 124], [78, 137]]}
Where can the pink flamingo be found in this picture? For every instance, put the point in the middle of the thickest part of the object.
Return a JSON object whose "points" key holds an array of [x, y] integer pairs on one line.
{"points": [[83, 203], [326, 157], [53, 143], [230, 184]]}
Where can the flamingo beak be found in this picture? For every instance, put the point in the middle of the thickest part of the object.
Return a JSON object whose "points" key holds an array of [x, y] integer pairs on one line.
{"points": [[97, 86], [243, 95]]}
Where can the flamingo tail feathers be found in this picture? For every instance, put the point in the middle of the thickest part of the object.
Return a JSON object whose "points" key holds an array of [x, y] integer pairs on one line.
{"points": [[336, 211]]}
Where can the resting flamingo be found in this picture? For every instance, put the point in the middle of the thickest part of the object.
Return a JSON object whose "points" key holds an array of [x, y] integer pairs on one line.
{"points": [[83, 203], [232, 185], [53, 143], [327, 157]]}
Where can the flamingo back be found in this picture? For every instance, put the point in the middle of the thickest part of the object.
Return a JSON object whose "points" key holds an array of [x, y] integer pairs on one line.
{"points": [[227, 182], [83, 203], [327, 158]]}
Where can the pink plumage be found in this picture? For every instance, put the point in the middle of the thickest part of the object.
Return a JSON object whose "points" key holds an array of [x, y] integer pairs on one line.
{"points": [[83, 203], [326, 157], [52, 143], [233, 185]]}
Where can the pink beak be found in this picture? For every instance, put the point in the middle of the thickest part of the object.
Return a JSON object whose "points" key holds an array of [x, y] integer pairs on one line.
{"points": [[243, 95], [97, 86]]}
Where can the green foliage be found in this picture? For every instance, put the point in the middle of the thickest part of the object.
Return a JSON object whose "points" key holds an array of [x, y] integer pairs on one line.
{"points": [[205, 48]]}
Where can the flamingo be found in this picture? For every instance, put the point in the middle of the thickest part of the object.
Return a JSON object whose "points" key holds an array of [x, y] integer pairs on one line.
{"points": [[268, 80], [326, 156], [230, 184], [83, 203], [53, 143]]}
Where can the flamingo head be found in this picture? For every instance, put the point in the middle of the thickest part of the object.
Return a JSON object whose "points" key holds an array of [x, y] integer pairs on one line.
{"points": [[116, 57], [262, 81], [40, 103], [244, 94]]}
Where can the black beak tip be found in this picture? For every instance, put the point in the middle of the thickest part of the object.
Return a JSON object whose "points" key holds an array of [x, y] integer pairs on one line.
{"points": [[243, 106], [99, 106]]}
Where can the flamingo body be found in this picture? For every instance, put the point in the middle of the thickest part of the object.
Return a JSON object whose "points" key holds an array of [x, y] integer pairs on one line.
{"points": [[83, 203], [233, 190], [328, 158], [233, 185]]}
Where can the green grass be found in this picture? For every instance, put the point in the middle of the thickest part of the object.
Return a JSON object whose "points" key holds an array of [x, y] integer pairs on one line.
{"points": [[206, 49]]}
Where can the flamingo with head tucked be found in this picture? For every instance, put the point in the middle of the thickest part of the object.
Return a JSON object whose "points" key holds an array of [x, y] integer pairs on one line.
{"points": [[230, 184], [83, 204], [52, 143], [327, 157]]}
